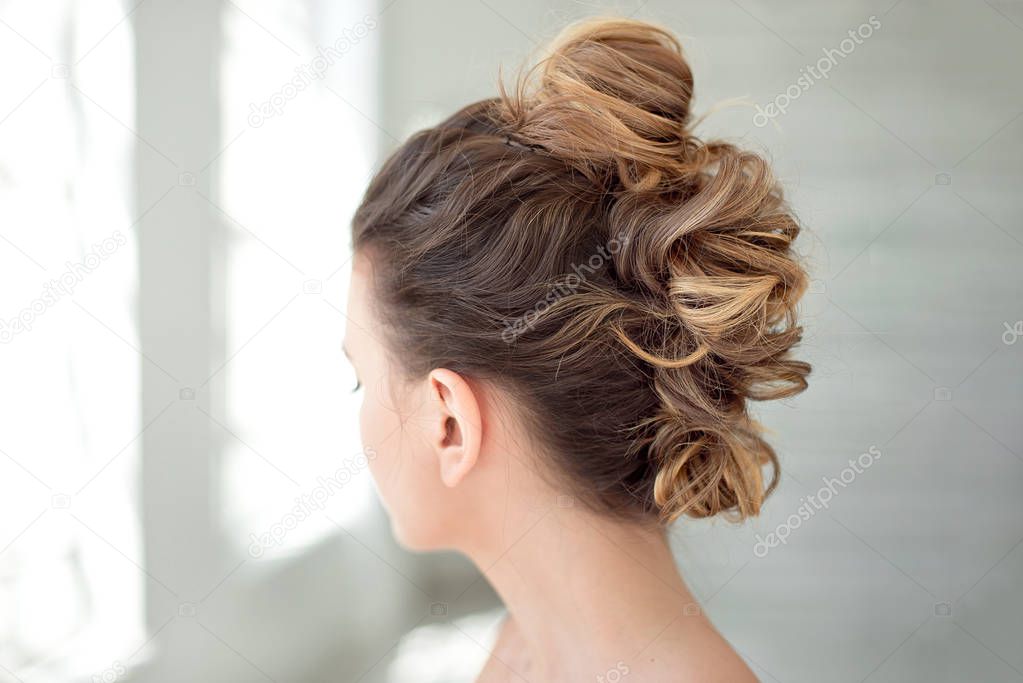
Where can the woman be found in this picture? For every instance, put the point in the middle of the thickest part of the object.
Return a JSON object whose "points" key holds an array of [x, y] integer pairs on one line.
{"points": [[561, 303]]}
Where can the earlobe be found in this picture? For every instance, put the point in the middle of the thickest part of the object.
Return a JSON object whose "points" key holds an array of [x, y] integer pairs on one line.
{"points": [[458, 431]]}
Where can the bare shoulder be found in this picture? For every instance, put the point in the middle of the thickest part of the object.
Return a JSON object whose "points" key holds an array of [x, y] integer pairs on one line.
{"points": [[508, 660], [686, 654], [682, 653]]}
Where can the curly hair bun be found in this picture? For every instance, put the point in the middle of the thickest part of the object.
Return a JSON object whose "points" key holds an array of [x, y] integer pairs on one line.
{"points": [[704, 229], [640, 375], [613, 96]]}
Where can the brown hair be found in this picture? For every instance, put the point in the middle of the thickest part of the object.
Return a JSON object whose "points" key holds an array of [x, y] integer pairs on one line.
{"points": [[632, 286]]}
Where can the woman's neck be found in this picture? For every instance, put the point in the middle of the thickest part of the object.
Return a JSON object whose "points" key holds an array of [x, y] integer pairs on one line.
{"points": [[590, 597]]}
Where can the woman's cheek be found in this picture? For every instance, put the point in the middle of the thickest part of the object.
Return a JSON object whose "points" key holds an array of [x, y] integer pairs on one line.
{"points": [[378, 433]]}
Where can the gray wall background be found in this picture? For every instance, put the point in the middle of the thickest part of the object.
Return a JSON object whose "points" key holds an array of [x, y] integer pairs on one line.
{"points": [[904, 165]]}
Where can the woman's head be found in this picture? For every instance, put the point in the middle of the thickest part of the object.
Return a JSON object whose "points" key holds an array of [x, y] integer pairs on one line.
{"points": [[570, 255]]}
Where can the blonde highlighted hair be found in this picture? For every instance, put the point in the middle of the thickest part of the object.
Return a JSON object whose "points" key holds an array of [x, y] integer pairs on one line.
{"points": [[637, 379]]}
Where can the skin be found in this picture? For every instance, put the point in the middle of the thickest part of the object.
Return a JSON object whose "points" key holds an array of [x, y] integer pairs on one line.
{"points": [[588, 597]]}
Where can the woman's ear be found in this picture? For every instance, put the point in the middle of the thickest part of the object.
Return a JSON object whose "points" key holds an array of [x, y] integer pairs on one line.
{"points": [[456, 432]]}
